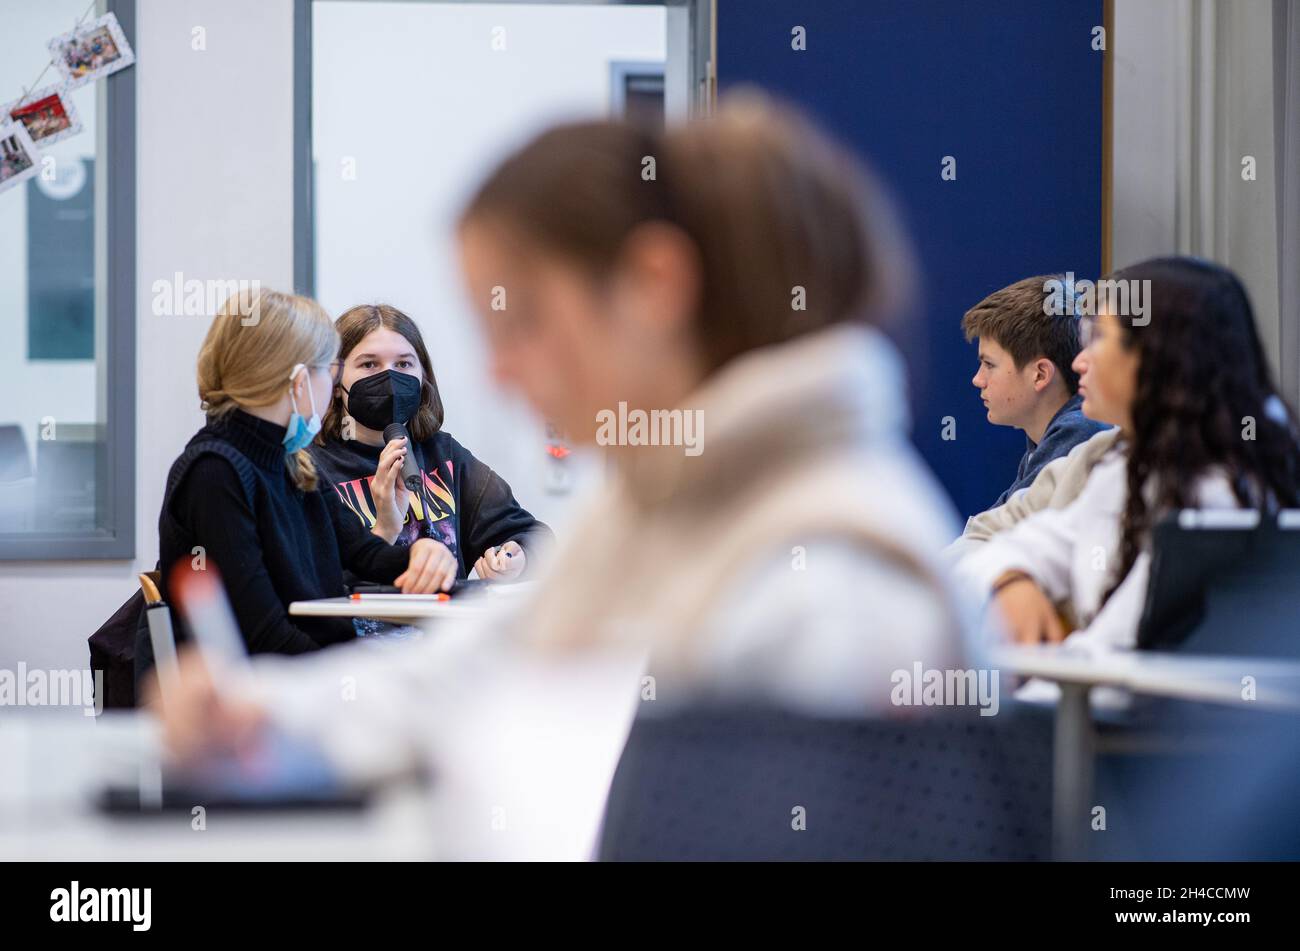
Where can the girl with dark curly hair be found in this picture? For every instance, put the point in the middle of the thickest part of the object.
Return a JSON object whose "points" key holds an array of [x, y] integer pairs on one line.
{"points": [[1201, 426]]}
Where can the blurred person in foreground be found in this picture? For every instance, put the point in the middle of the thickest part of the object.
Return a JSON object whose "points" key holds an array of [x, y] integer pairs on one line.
{"points": [[778, 544]]}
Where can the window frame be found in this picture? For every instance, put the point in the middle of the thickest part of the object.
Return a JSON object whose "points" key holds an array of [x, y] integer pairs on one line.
{"points": [[118, 384]]}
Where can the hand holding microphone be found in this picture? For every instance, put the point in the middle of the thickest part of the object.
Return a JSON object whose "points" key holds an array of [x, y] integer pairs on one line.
{"points": [[389, 491], [410, 471], [386, 402]]}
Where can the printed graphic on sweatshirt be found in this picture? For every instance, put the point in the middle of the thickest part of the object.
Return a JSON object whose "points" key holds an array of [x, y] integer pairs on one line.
{"points": [[438, 503]]}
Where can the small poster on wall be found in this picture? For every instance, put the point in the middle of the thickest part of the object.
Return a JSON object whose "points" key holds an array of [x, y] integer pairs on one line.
{"points": [[92, 51], [17, 155], [47, 114]]}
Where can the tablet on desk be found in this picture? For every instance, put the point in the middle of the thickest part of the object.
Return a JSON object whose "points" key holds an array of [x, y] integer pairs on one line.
{"points": [[280, 774], [461, 586], [283, 775]]}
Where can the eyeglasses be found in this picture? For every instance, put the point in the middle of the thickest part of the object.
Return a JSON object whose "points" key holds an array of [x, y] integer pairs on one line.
{"points": [[335, 368]]}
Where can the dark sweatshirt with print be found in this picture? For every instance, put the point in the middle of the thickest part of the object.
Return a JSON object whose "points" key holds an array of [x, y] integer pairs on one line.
{"points": [[464, 504]]}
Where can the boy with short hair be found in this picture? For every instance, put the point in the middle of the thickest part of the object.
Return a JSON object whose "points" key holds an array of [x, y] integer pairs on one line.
{"points": [[1025, 378]]}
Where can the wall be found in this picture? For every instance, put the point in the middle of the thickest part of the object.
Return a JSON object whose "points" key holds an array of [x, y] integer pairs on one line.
{"points": [[1194, 95], [214, 181]]}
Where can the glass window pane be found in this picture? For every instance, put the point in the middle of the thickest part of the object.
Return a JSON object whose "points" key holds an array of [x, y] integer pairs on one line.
{"points": [[53, 479]]}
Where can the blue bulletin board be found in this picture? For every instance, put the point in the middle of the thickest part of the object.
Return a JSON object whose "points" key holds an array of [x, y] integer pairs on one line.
{"points": [[1012, 89]]}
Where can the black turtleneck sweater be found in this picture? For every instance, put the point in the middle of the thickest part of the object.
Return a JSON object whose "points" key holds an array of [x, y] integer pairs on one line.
{"points": [[272, 543]]}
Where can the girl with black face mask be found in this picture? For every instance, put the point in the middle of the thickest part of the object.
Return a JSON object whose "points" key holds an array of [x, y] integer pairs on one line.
{"points": [[462, 504]]}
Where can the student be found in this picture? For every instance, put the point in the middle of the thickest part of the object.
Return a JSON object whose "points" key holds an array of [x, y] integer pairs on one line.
{"points": [[740, 554], [1200, 427], [1057, 485], [465, 508], [243, 497], [1025, 377]]}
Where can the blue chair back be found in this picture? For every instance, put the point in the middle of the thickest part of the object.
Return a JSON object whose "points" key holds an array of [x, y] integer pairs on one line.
{"points": [[711, 783]]}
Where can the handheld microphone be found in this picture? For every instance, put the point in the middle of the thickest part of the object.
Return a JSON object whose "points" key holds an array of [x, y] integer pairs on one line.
{"points": [[410, 471]]}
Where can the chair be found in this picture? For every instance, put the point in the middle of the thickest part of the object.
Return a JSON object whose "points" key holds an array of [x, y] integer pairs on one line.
{"points": [[714, 783], [116, 643], [1224, 583], [67, 470]]}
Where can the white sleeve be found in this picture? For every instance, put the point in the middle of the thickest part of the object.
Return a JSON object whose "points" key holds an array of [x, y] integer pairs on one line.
{"points": [[369, 706], [1041, 545], [825, 637], [521, 742], [1115, 626]]}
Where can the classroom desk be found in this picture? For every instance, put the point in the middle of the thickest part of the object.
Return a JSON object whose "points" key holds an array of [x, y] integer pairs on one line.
{"points": [[1199, 679], [396, 609], [401, 608], [55, 764]]}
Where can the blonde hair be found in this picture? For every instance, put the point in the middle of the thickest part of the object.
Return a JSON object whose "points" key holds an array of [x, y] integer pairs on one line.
{"points": [[253, 345]]}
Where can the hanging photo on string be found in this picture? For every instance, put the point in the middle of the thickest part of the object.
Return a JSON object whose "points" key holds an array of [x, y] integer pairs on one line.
{"points": [[18, 158], [91, 51], [47, 114]]}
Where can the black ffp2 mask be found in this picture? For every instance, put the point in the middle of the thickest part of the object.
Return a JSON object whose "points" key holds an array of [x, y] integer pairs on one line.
{"points": [[378, 400]]}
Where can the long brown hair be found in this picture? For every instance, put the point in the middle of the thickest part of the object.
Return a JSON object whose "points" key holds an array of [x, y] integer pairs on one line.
{"points": [[1202, 375], [771, 205], [353, 327]]}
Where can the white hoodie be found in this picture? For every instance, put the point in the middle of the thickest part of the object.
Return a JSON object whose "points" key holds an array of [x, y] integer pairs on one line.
{"points": [[1072, 552], [790, 561]]}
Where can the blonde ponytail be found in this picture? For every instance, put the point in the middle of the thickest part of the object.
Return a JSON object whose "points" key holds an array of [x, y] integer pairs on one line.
{"points": [[302, 470]]}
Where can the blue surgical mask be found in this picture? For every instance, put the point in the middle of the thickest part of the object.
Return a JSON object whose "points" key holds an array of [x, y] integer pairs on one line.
{"points": [[300, 432]]}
